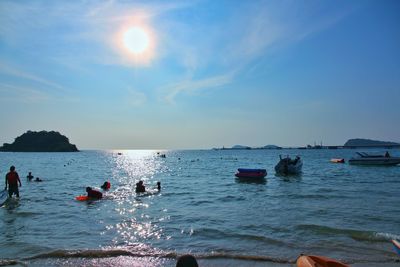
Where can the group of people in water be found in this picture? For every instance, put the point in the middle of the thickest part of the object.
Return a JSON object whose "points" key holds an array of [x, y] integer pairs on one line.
{"points": [[30, 177], [96, 194], [12, 181]]}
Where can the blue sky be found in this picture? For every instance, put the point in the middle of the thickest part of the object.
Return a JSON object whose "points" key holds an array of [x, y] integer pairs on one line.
{"points": [[213, 73]]}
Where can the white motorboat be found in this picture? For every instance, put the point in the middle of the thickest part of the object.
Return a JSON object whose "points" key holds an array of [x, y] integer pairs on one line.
{"points": [[289, 166], [378, 160]]}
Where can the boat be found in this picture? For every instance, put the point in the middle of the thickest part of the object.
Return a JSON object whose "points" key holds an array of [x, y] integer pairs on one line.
{"points": [[337, 160], [396, 245], [378, 160], [251, 173], [318, 261], [288, 165]]}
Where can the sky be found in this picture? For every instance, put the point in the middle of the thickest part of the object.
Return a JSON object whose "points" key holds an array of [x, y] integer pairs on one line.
{"points": [[200, 74]]}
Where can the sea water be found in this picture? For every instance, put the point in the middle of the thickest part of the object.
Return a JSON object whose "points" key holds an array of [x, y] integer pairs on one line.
{"points": [[338, 210]]}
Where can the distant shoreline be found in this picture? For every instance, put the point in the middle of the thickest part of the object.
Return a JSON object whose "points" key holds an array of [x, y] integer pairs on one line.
{"points": [[315, 147]]}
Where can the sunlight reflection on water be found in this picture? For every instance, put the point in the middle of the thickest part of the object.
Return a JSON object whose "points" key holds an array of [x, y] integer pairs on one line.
{"points": [[136, 225]]}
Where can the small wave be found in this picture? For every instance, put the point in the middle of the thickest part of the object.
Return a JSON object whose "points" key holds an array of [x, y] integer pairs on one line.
{"points": [[231, 198], [9, 262], [99, 254], [214, 233], [354, 234], [200, 202], [244, 257], [62, 254]]}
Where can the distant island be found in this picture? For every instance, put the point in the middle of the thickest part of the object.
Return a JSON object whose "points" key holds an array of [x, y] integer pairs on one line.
{"points": [[359, 142], [42, 141], [241, 147], [351, 143]]}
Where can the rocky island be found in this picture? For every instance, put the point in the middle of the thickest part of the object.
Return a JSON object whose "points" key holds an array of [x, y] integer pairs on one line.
{"points": [[359, 142], [42, 141]]}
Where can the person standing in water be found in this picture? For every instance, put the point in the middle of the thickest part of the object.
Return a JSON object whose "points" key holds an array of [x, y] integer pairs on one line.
{"points": [[159, 186], [30, 176], [12, 179]]}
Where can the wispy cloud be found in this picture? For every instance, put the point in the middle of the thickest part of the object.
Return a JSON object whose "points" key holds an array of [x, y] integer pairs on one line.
{"points": [[190, 85], [5, 69], [246, 34], [136, 98], [14, 93]]}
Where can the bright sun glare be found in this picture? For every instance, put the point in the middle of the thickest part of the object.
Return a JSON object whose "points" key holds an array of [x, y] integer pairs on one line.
{"points": [[136, 40]]}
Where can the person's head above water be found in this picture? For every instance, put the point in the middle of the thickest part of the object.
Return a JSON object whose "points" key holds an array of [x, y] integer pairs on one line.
{"points": [[106, 185], [88, 189], [186, 261], [12, 168]]}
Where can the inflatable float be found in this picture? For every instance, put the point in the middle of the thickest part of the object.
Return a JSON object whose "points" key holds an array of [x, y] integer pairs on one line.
{"points": [[251, 173], [396, 245], [337, 160], [318, 261], [82, 198]]}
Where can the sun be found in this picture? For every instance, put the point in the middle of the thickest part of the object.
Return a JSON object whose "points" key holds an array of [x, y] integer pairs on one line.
{"points": [[135, 43], [136, 40]]}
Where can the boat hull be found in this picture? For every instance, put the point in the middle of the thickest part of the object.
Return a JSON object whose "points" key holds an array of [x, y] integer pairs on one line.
{"points": [[381, 161], [286, 166]]}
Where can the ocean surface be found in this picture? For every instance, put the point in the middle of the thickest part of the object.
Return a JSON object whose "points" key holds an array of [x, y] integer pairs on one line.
{"points": [[338, 210]]}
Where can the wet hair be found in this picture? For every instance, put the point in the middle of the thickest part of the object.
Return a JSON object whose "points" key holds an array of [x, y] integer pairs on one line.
{"points": [[12, 168], [88, 189], [186, 261]]}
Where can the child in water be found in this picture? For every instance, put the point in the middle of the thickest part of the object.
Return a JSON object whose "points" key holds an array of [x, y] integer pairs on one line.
{"points": [[106, 185], [140, 188]]}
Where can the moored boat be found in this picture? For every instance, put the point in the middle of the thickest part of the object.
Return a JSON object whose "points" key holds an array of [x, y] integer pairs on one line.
{"points": [[318, 261], [289, 166], [377, 160]]}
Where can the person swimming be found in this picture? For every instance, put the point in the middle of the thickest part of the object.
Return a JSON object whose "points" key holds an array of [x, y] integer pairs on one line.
{"points": [[93, 193], [140, 188], [106, 185], [38, 179]]}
